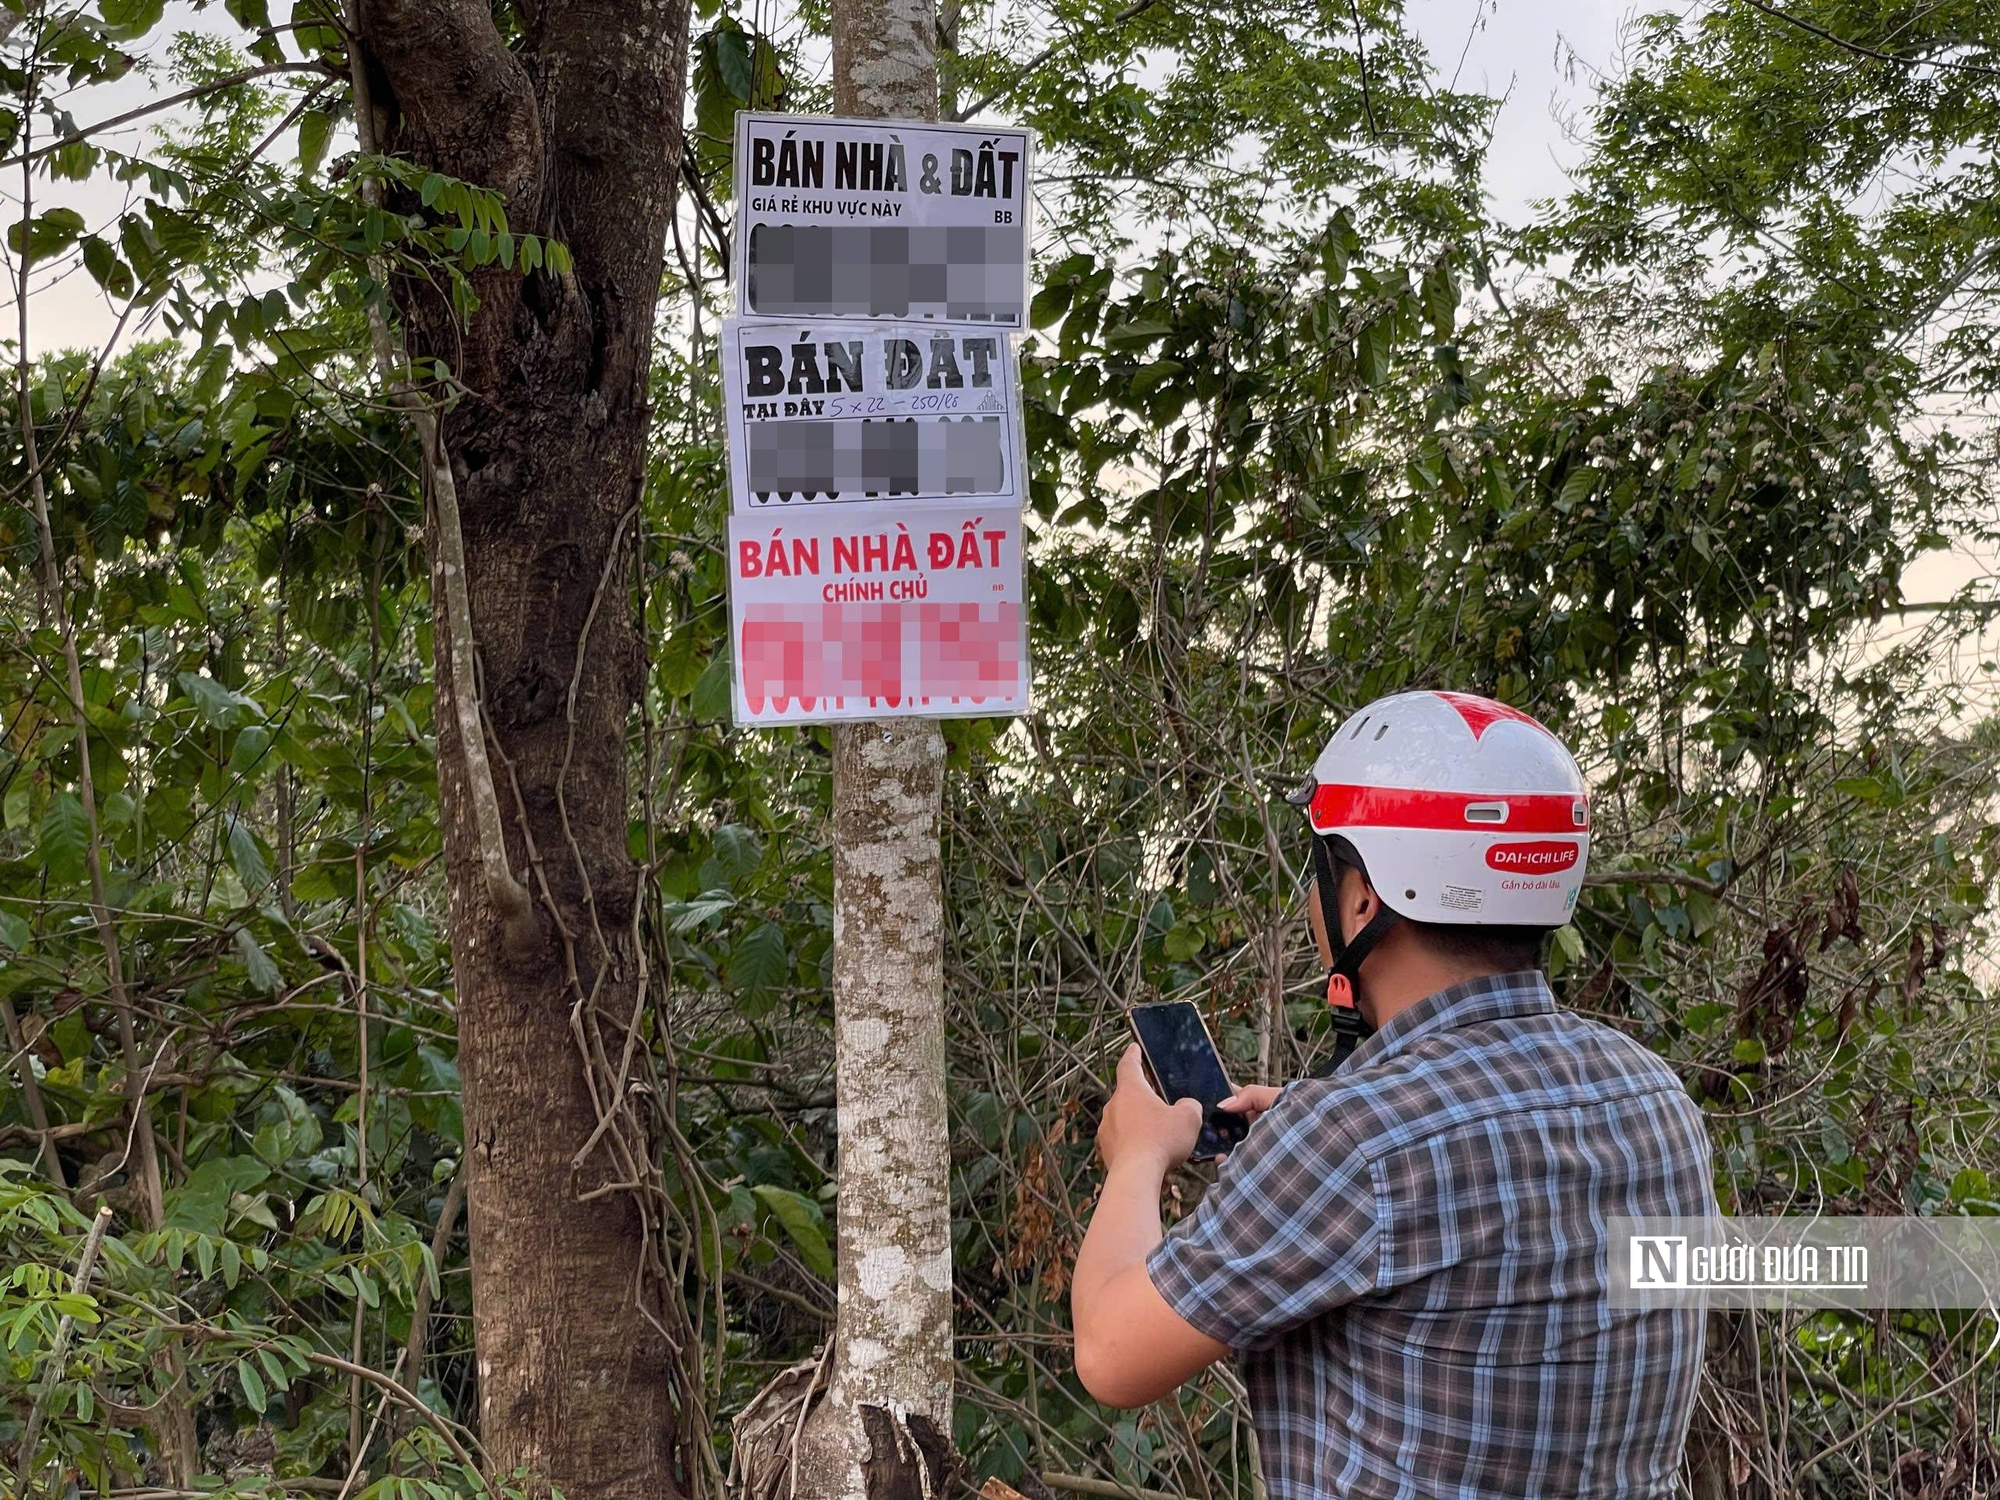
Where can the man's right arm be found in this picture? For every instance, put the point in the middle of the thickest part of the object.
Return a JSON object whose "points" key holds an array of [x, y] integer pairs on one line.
{"points": [[1290, 1230], [1131, 1347]]}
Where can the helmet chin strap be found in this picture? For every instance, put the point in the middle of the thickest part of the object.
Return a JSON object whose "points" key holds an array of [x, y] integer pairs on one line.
{"points": [[1349, 1026]]}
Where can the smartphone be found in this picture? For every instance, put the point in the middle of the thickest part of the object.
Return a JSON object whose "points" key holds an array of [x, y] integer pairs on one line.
{"points": [[1181, 1056]]}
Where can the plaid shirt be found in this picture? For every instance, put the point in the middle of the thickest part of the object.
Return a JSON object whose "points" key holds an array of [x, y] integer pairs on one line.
{"points": [[1409, 1260]]}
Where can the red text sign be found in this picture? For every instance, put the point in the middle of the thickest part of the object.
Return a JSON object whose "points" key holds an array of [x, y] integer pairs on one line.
{"points": [[888, 610]]}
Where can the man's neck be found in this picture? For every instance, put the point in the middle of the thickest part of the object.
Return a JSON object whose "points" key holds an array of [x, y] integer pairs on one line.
{"points": [[1416, 977]]}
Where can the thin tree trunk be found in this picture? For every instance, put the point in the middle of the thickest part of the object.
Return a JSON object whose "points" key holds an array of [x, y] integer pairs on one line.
{"points": [[883, 1432], [578, 129]]}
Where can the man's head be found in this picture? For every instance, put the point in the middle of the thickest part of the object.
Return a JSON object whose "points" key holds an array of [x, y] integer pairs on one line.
{"points": [[1415, 959], [1451, 833]]}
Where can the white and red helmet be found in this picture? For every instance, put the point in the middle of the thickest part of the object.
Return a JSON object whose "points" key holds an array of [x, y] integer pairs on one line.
{"points": [[1459, 809]]}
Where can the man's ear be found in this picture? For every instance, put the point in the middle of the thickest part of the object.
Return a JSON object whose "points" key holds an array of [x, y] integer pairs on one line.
{"points": [[1358, 901]]}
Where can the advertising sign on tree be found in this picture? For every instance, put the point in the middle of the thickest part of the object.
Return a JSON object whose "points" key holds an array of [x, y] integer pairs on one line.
{"points": [[861, 612], [834, 411], [865, 218]]}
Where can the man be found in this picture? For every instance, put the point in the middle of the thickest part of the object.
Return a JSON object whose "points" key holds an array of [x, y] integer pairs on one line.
{"points": [[1408, 1254]]}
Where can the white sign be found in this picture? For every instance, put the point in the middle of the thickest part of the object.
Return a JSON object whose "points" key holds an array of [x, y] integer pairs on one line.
{"points": [[825, 411], [860, 612], [877, 219]]}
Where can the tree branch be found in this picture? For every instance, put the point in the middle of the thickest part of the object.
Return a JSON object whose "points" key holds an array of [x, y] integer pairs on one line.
{"points": [[1862, 50], [1361, 53], [31, 1092], [1136, 8], [442, 1426], [1656, 877], [227, 81], [509, 897], [413, 1347], [59, 1350]]}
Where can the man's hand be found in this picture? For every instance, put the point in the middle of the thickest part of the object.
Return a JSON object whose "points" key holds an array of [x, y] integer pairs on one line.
{"points": [[1139, 1127], [1251, 1100]]}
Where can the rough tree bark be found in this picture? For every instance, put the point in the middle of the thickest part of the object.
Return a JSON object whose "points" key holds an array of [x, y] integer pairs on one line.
{"points": [[883, 1431], [578, 126]]}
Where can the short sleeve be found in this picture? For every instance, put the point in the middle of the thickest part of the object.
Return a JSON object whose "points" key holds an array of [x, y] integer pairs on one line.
{"points": [[1291, 1229]]}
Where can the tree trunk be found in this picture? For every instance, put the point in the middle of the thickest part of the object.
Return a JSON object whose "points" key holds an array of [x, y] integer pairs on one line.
{"points": [[883, 1432], [579, 129]]}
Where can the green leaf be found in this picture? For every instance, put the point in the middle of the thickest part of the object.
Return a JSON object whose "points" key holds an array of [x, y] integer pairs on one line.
{"points": [[19, 805], [1700, 1017], [217, 704], [685, 916], [201, 1203], [1049, 305], [1150, 377], [127, 20], [710, 699], [274, 1369], [681, 662], [315, 129], [1576, 488], [15, 934], [759, 961], [246, 856], [65, 837], [252, 1382], [735, 853], [106, 269], [246, 756], [48, 233], [732, 61], [800, 1216], [263, 972], [1371, 354], [1139, 331], [1441, 300]]}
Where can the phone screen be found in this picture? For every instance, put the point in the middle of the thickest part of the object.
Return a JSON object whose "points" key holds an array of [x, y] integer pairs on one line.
{"points": [[1185, 1066]]}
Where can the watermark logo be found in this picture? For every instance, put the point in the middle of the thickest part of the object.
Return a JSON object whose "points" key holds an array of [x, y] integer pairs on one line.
{"points": [[1659, 1261], [1790, 1262]]}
